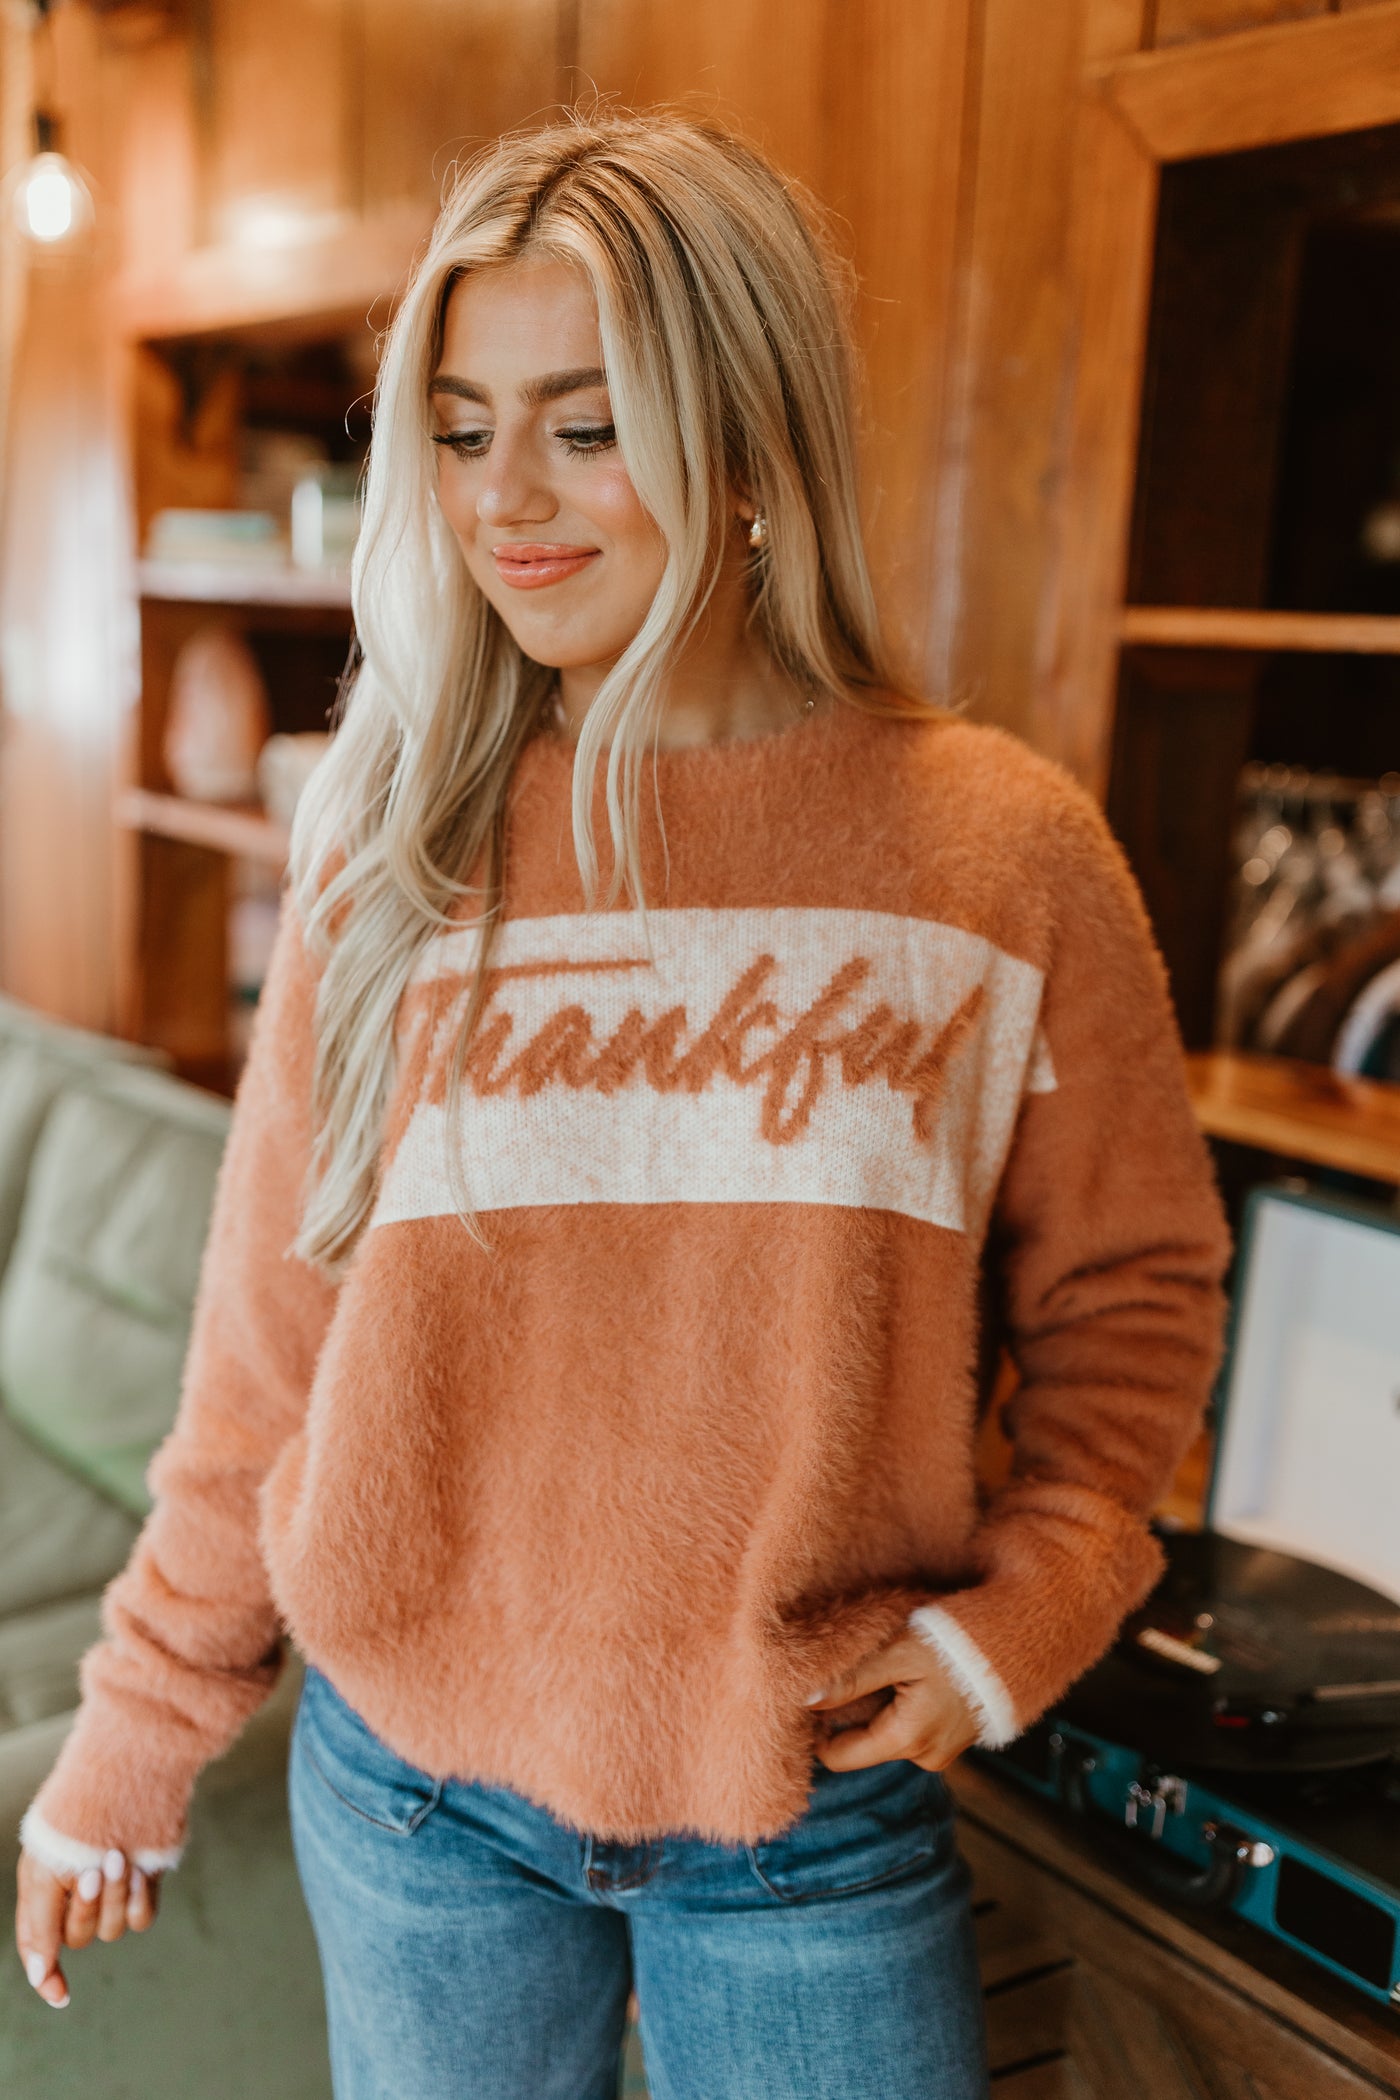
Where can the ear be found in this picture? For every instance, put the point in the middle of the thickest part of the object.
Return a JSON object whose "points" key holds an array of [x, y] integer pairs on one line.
{"points": [[742, 502]]}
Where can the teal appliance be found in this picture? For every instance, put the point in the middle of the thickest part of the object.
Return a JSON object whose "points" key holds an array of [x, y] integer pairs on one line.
{"points": [[1239, 1746]]}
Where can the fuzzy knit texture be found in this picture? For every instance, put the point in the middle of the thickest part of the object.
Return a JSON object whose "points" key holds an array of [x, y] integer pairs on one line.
{"points": [[590, 1514]]}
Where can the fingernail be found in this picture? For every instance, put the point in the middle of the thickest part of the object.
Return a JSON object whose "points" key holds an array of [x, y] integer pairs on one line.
{"points": [[89, 1882], [114, 1865], [36, 1969], [138, 1880], [812, 1698], [57, 2003]]}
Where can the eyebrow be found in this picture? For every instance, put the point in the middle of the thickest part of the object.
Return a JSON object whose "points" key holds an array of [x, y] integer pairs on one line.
{"points": [[535, 391]]}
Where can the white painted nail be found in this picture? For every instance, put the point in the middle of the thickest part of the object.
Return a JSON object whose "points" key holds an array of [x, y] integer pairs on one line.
{"points": [[89, 1882], [114, 1865], [138, 1880], [812, 1698], [36, 1969], [57, 2003]]}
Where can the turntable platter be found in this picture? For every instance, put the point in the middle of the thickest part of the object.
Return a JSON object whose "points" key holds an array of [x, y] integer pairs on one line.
{"points": [[1249, 1660]]}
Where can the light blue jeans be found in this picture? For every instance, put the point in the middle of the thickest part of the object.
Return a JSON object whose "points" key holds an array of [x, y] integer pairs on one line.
{"points": [[475, 1948]]}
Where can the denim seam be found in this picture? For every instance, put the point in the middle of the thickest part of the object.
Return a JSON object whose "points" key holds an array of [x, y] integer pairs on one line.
{"points": [[928, 1850], [396, 1829]]}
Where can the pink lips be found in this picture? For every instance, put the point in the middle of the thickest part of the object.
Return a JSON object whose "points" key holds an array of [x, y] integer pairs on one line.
{"points": [[527, 565]]}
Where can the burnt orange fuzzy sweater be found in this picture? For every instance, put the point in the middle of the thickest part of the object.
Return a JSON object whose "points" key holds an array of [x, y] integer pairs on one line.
{"points": [[590, 1514]]}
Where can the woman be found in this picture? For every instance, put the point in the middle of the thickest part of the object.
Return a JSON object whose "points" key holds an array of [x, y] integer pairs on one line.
{"points": [[585, 1369]]}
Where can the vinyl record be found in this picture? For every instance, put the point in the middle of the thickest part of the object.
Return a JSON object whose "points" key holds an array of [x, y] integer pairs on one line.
{"points": [[1249, 1661]]}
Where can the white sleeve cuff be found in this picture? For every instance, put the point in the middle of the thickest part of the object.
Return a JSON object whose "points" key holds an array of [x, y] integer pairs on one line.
{"points": [[971, 1673], [62, 1854]]}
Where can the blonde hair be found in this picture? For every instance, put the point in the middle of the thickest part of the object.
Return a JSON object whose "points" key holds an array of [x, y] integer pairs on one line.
{"points": [[722, 310]]}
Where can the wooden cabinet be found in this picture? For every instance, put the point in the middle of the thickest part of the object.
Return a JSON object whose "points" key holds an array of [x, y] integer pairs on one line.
{"points": [[1235, 243], [1095, 1990]]}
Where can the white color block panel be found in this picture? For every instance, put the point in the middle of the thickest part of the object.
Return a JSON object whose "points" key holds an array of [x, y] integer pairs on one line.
{"points": [[781, 1120]]}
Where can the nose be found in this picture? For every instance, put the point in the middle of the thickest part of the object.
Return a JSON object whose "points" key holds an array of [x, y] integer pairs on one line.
{"points": [[510, 491]]}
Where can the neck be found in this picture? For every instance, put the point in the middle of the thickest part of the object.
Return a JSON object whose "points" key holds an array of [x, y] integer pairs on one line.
{"points": [[724, 685]]}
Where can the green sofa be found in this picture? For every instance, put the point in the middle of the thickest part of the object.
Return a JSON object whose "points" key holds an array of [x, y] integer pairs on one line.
{"points": [[107, 1166]]}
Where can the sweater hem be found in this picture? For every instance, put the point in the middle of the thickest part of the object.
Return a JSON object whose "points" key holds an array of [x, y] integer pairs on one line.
{"points": [[62, 1854], [971, 1673]]}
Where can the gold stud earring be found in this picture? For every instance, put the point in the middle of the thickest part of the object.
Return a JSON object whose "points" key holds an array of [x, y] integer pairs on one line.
{"points": [[758, 531]]}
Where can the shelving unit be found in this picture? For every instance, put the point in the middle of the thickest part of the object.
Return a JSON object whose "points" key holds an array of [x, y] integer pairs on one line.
{"points": [[1301, 1111], [1225, 627], [1256, 628], [243, 830], [196, 397], [259, 585]]}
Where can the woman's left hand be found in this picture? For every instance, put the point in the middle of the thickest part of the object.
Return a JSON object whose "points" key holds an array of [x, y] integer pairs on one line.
{"points": [[927, 1720]]}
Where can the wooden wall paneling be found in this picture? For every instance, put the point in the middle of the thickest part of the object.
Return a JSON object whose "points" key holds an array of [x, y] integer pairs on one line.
{"points": [[1002, 480], [160, 175], [1183, 21], [442, 79], [1300, 80], [1114, 188], [1114, 28], [16, 142], [896, 156], [759, 65], [69, 664], [276, 100]]}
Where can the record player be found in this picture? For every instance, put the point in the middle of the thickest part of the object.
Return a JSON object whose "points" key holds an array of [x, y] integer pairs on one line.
{"points": [[1239, 1746]]}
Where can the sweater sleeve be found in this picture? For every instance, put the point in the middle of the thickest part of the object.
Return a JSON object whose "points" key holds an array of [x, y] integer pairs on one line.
{"points": [[191, 1642], [1111, 1244]]}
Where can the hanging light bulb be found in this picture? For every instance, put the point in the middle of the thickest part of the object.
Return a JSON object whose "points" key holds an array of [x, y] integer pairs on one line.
{"points": [[50, 201]]}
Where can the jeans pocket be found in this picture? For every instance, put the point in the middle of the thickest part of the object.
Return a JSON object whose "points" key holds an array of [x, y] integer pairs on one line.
{"points": [[359, 1768], [860, 1829]]}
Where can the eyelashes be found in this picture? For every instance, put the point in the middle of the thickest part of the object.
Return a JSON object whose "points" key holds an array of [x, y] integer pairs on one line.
{"points": [[582, 441], [590, 437]]}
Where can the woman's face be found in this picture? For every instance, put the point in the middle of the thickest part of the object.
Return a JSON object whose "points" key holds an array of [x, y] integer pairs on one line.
{"points": [[530, 477]]}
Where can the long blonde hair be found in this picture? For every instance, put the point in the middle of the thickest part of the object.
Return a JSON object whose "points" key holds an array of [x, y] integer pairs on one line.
{"points": [[723, 313]]}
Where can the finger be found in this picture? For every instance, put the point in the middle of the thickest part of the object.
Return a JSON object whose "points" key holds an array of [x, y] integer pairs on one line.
{"points": [[111, 1917], [901, 1661], [141, 1902], [890, 1734], [869, 1675], [80, 1925], [39, 1929]]}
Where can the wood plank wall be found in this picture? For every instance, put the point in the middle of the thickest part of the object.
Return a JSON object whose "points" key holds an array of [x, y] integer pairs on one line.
{"points": [[943, 135], [1184, 21]]}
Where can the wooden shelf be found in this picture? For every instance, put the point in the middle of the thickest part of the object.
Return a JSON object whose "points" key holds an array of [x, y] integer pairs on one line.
{"points": [[1304, 1111], [242, 829], [219, 583], [328, 272], [1222, 627]]}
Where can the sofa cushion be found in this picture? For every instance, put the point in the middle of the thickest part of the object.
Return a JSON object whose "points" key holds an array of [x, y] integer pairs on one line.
{"points": [[39, 1656], [95, 1305], [58, 1537], [38, 1058]]}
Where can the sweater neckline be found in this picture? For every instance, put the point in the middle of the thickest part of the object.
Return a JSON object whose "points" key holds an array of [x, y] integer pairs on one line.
{"points": [[807, 734]]}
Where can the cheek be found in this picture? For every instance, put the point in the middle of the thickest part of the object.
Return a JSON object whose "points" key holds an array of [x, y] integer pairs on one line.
{"points": [[455, 498], [612, 503]]}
